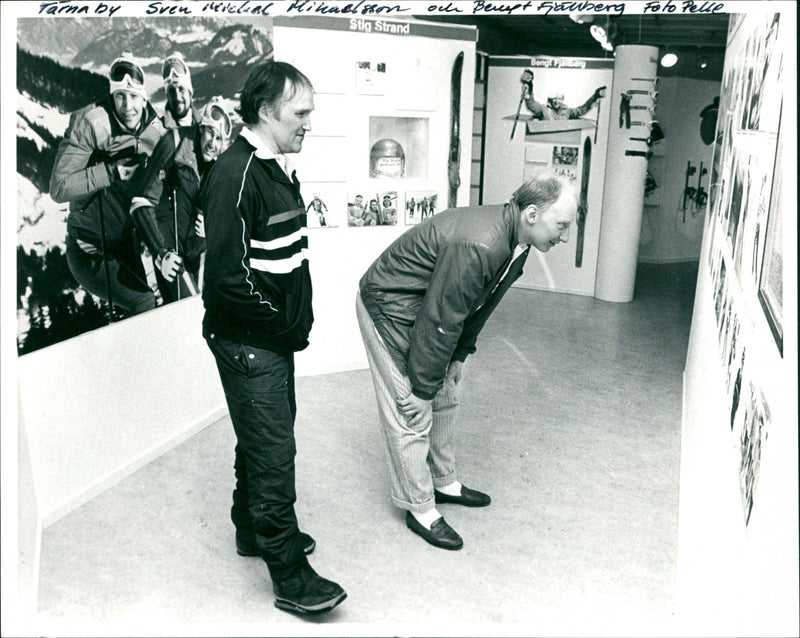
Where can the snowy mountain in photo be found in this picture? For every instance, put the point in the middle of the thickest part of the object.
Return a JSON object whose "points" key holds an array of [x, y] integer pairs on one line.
{"points": [[41, 223]]}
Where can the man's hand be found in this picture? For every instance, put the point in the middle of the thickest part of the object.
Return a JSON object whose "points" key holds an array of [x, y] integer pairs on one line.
{"points": [[126, 169], [413, 408], [527, 83], [599, 92], [170, 265], [199, 226], [454, 371]]}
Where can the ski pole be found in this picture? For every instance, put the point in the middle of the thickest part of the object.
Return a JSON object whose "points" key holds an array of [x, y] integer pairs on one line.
{"points": [[597, 120], [175, 220], [109, 300]]}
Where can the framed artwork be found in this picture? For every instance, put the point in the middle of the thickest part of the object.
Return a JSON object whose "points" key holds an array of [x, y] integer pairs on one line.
{"points": [[770, 285], [368, 207], [317, 213], [389, 203], [753, 432], [398, 147], [420, 205], [370, 78]]}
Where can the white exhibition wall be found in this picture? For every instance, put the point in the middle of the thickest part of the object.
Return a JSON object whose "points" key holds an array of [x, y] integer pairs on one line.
{"points": [[737, 570], [538, 144], [672, 226]]}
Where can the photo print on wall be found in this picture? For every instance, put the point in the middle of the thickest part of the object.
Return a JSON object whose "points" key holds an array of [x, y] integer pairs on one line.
{"points": [[398, 147], [324, 204], [389, 204], [753, 433], [420, 205], [370, 78], [565, 161], [368, 207], [317, 213]]}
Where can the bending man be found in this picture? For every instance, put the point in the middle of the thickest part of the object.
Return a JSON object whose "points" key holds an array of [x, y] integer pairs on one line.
{"points": [[420, 307]]}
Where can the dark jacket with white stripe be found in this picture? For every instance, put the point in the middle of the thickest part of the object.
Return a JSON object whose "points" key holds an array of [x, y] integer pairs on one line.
{"points": [[257, 287]]}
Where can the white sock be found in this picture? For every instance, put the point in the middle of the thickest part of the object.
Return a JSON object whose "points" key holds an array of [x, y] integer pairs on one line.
{"points": [[454, 489], [426, 519]]}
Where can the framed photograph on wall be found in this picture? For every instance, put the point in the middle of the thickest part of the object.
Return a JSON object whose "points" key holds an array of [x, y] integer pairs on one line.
{"points": [[420, 205], [398, 147], [370, 78], [770, 284], [318, 213], [364, 208], [390, 203]]}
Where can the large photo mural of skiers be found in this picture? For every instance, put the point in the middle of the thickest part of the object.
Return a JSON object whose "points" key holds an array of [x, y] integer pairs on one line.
{"points": [[116, 126]]}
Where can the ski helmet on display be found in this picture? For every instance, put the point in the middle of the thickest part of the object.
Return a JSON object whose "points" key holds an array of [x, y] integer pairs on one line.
{"points": [[387, 159]]}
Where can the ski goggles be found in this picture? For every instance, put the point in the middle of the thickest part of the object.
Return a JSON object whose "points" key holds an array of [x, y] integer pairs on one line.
{"points": [[214, 115], [175, 71], [126, 75]]}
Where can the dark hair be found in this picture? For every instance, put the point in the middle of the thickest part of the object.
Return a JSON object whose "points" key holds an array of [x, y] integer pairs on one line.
{"points": [[265, 86], [542, 190]]}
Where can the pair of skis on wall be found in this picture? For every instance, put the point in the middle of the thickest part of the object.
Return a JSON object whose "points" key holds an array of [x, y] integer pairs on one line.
{"points": [[454, 156]]}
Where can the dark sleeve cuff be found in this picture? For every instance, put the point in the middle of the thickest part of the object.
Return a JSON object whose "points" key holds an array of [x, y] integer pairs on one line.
{"points": [[422, 394]]}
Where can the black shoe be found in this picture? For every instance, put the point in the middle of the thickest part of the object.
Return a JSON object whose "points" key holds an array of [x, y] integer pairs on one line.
{"points": [[470, 498], [307, 592], [440, 534], [246, 544]]}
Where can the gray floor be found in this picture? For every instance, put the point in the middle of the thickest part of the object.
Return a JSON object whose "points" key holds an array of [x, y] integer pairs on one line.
{"points": [[571, 415]]}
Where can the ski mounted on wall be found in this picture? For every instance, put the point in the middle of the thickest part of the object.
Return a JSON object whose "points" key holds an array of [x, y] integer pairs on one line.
{"points": [[454, 158], [583, 201]]}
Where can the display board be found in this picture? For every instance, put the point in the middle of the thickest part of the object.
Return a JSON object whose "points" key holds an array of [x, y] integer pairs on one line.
{"points": [[381, 131], [737, 541], [526, 135]]}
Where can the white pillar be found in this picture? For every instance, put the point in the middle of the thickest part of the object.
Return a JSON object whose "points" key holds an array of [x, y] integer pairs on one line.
{"points": [[635, 68]]}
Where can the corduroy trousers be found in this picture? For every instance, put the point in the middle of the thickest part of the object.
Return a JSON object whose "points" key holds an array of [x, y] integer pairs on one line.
{"points": [[419, 458]]}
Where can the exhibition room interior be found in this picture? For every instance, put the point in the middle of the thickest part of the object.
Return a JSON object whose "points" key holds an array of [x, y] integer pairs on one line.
{"points": [[631, 402]]}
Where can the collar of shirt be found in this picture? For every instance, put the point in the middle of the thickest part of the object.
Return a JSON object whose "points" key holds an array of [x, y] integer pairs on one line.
{"points": [[264, 152], [170, 121]]}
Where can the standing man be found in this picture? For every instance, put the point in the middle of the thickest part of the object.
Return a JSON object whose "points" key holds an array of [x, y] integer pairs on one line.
{"points": [[257, 297], [421, 306]]}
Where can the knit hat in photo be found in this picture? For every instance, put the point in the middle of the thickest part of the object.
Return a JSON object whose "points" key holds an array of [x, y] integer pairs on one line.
{"points": [[214, 115], [175, 71], [125, 74]]}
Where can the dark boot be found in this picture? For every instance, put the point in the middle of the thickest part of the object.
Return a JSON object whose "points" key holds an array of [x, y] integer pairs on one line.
{"points": [[307, 592]]}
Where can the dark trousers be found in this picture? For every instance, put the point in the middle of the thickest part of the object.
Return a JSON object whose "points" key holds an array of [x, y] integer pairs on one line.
{"points": [[127, 280], [259, 390]]}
